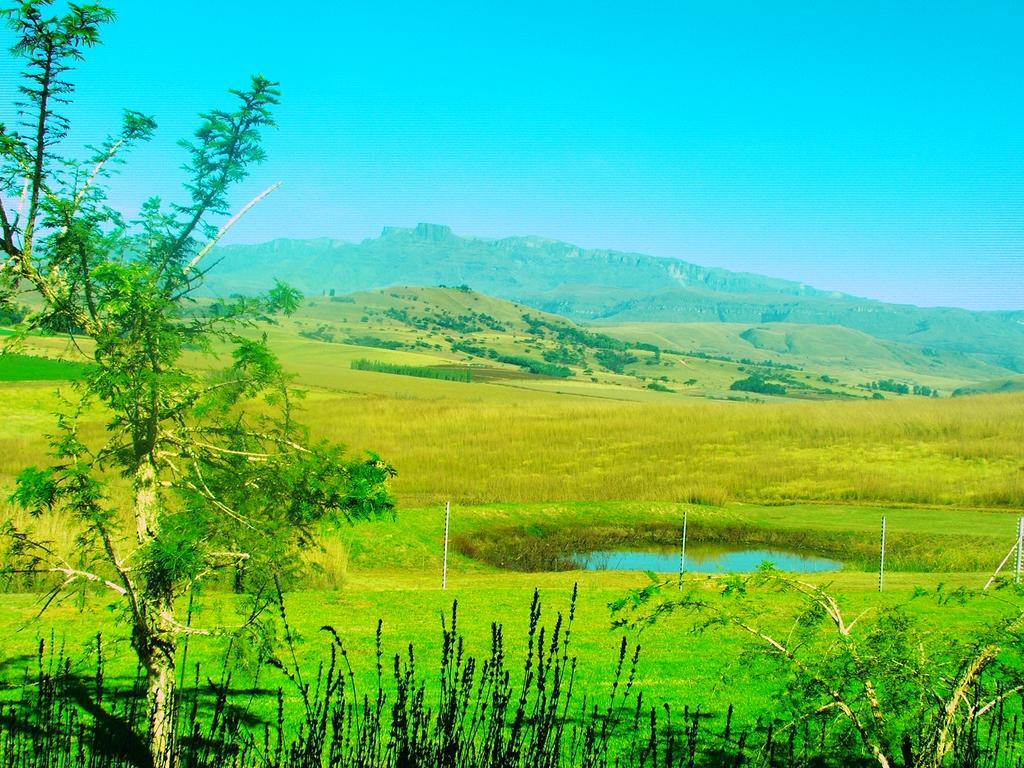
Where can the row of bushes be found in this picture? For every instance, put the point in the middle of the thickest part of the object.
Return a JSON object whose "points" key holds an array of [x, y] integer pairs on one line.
{"points": [[420, 371]]}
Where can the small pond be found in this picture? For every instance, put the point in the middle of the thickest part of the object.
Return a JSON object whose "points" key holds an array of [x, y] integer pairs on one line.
{"points": [[703, 558]]}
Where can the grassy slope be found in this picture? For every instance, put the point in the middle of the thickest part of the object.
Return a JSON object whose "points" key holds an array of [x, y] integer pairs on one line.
{"points": [[851, 355], [517, 440], [1011, 384], [413, 320], [848, 357]]}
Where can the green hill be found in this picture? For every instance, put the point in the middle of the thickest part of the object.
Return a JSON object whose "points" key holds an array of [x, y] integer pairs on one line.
{"points": [[459, 335], [1011, 384], [841, 352], [614, 287]]}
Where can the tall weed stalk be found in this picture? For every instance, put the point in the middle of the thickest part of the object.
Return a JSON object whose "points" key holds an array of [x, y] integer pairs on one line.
{"points": [[463, 712]]}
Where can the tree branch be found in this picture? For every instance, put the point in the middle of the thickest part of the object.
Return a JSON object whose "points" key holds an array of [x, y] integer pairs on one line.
{"points": [[175, 626], [984, 709], [73, 574], [39, 156], [8, 233], [97, 170], [231, 222]]}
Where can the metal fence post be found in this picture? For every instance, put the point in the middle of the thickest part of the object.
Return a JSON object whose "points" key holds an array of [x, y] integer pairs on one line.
{"points": [[444, 566], [881, 559], [1020, 549], [682, 553]]}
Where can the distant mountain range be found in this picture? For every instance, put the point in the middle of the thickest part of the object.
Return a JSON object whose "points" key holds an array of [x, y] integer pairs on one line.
{"points": [[608, 287]]}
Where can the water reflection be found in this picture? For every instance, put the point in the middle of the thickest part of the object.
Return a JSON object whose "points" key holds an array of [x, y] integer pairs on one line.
{"points": [[703, 558]]}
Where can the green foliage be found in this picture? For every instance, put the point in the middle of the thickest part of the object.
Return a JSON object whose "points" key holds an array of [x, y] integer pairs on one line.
{"points": [[472, 349], [654, 348], [12, 314], [536, 367], [888, 385], [322, 332], [283, 298], [900, 388], [435, 319], [326, 486], [757, 383], [373, 341], [35, 490], [175, 556], [767, 363], [420, 371], [571, 335], [564, 356], [615, 362]]}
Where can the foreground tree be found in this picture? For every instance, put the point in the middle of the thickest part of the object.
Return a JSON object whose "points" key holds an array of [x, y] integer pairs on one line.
{"points": [[911, 695], [196, 471]]}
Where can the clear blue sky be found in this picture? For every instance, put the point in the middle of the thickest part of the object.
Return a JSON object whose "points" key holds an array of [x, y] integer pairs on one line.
{"points": [[871, 147]]}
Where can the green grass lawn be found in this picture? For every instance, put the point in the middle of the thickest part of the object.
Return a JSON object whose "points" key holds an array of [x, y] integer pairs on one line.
{"points": [[680, 667], [392, 569], [15, 367]]}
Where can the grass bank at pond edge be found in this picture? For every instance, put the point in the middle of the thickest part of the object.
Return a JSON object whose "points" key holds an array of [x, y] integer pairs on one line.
{"points": [[535, 538]]}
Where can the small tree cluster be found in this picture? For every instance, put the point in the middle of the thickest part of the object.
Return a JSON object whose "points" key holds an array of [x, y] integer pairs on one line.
{"points": [[900, 388], [757, 383]]}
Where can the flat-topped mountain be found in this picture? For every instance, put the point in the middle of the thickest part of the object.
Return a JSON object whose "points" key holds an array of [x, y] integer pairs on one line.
{"points": [[429, 254], [605, 286]]}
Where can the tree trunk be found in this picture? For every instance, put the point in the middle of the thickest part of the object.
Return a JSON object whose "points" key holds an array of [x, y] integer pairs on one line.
{"points": [[147, 501], [160, 699], [154, 637]]}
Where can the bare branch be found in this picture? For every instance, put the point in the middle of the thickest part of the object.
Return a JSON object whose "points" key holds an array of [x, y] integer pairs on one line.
{"points": [[250, 455], [168, 620], [235, 557], [98, 169], [985, 708], [230, 223], [8, 232], [74, 574], [212, 498], [23, 199], [944, 738], [265, 437]]}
